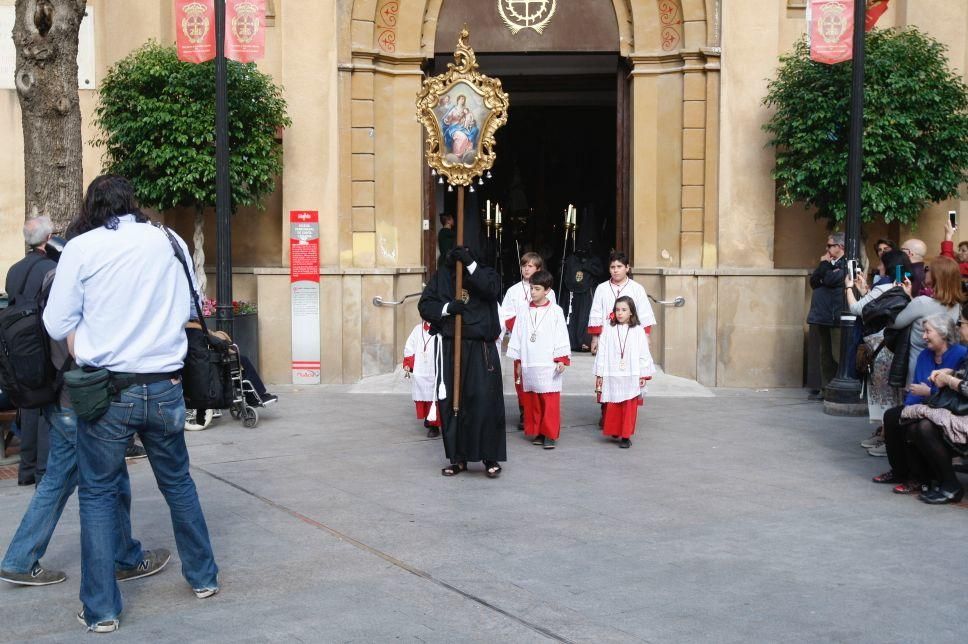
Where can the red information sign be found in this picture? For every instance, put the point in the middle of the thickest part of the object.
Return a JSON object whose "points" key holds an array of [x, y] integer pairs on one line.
{"points": [[245, 33], [831, 30], [304, 246], [195, 27]]}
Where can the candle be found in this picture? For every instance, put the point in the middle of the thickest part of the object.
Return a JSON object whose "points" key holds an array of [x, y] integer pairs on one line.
{"points": [[488, 217], [571, 215], [497, 214]]}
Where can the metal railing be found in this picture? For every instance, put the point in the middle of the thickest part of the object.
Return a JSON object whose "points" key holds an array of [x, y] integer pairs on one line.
{"points": [[379, 302]]}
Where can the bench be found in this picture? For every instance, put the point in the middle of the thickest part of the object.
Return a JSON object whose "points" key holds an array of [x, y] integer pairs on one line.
{"points": [[7, 419]]}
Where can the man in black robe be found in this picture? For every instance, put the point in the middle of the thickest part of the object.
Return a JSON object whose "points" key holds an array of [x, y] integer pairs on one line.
{"points": [[477, 432]]}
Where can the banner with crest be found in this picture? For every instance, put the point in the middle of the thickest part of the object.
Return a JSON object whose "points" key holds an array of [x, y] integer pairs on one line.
{"points": [[831, 29], [195, 30], [245, 30]]}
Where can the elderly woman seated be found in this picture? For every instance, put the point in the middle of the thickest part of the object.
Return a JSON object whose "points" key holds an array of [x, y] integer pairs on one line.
{"points": [[943, 354]]}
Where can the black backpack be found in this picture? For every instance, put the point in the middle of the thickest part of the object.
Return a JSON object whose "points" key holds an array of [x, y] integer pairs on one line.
{"points": [[27, 375]]}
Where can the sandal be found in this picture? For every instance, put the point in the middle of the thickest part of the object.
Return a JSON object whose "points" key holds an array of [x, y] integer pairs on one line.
{"points": [[886, 477], [492, 469], [454, 469]]}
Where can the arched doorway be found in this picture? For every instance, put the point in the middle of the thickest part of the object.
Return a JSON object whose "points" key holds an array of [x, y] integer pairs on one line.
{"points": [[563, 141]]}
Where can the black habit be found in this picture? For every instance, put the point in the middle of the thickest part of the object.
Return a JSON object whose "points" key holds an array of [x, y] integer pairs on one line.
{"points": [[478, 432]]}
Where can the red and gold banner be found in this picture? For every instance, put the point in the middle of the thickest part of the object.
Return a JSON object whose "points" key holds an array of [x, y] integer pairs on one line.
{"points": [[195, 28], [245, 30], [875, 9], [831, 30]]}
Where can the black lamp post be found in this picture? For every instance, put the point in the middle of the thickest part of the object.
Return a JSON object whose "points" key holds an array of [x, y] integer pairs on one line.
{"points": [[223, 191], [842, 395]]}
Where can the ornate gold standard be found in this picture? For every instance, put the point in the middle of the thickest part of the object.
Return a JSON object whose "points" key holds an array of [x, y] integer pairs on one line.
{"points": [[461, 110]]}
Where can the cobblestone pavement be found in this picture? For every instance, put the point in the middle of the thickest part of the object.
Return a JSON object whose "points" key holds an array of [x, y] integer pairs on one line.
{"points": [[742, 517]]}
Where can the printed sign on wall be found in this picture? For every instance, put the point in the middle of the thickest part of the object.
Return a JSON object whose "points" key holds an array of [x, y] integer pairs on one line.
{"points": [[304, 284]]}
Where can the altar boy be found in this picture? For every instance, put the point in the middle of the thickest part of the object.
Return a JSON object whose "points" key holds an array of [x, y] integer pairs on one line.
{"points": [[419, 362], [516, 303], [540, 345]]}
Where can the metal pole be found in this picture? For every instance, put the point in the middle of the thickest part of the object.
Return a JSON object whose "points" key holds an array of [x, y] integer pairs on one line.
{"points": [[223, 191], [842, 395]]}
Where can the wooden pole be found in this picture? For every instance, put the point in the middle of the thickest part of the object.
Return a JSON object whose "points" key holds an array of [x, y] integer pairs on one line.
{"points": [[458, 289]]}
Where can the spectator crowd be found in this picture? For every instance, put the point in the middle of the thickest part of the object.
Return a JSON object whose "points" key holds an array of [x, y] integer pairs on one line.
{"points": [[909, 348]]}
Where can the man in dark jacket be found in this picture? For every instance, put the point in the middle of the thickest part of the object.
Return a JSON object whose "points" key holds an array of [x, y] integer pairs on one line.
{"points": [[24, 280], [826, 305]]}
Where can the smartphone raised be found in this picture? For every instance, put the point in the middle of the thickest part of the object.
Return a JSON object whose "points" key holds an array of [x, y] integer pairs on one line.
{"points": [[852, 268], [953, 218], [897, 274]]}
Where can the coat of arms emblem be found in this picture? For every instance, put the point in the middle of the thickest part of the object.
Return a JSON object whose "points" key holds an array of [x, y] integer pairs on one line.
{"points": [[245, 24], [833, 22], [196, 23], [527, 14]]}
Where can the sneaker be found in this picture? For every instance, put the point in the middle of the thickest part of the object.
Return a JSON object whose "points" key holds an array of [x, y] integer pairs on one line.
{"points": [[134, 451], [625, 443], [269, 399], [874, 439], [39, 576], [204, 593], [153, 562], [194, 426], [550, 443], [107, 626], [216, 413], [538, 440], [880, 450]]}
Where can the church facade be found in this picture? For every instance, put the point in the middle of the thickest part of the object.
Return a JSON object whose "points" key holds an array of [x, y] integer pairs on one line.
{"points": [[670, 90]]}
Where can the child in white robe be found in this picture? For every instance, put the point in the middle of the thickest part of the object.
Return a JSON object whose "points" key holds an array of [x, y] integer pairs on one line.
{"points": [[607, 292], [515, 304], [623, 366], [540, 345], [420, 365]]}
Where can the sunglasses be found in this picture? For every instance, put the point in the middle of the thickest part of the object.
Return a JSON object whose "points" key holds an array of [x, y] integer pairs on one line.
{"points": [[833, 245]]}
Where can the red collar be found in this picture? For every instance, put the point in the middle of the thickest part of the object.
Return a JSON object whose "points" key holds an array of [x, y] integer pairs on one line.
{"points": [[426, 326], [538, 306]]}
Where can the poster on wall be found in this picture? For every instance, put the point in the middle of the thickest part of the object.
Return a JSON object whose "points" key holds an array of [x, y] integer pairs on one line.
{"points": [[304, 285]]}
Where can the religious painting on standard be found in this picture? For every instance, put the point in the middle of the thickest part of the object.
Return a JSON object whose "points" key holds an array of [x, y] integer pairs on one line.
{"points": [[460, 115]]}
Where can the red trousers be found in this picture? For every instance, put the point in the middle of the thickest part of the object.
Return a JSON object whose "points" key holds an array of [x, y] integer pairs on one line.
{"points": [[542, 414], [619, 418], [423, 410]]}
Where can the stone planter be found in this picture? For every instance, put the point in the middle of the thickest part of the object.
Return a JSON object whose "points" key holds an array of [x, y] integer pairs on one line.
{"points": [[246, 335]]}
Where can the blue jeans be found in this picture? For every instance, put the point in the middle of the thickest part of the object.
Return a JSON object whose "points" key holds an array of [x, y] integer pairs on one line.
{"points": [[37, 525], [157, 413]]}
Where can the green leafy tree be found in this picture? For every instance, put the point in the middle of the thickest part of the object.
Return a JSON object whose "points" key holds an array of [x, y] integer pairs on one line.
{"points": [[157, 126], [915, 132]]}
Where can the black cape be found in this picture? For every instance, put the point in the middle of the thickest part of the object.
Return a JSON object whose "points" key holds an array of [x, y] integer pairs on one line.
{"points": [[582, 274], [478, 432]]}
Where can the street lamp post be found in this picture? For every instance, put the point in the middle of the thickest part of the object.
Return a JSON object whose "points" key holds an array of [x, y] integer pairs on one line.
{"points": [[842, 396], [223, 191]]}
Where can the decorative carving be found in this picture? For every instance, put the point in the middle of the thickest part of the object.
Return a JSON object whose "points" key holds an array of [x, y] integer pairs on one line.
{"points": [[461, 110], [527, 14], [670, 17]]}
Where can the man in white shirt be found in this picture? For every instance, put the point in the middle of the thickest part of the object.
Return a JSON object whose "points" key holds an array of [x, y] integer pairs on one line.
{"points": [[121, 299]]}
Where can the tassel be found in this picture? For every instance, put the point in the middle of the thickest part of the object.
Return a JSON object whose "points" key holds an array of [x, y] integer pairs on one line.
{"points": [[432, 414]]}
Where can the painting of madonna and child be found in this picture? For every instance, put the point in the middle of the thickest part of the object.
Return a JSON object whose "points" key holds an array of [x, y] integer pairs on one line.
{"points": [[462, 116]]}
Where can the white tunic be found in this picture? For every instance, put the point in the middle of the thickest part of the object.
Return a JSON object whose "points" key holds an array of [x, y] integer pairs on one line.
{"points": [[604, 302], [546, 324], [623, 357], [421, 345], [517, 300]]}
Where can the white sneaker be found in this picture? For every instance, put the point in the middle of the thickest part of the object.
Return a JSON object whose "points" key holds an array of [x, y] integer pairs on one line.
{"points": [[107, 626], [880, 450]]}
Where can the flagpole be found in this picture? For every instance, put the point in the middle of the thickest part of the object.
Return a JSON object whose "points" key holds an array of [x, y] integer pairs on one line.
{"points": [[223, 191], [843, 395]]}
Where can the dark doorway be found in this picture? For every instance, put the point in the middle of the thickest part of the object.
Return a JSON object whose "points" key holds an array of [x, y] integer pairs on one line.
{"points": [[558, 148]]}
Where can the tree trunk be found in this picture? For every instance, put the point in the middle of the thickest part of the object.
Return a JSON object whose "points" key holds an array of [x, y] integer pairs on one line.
{"points": [[45, 35], [198, 255]]}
